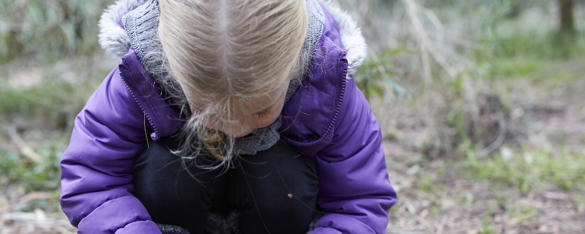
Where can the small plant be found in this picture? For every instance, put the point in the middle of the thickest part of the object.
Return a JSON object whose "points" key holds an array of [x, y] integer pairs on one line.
{"points": [[377, 72], [523, 212], [49, 30], [42, 176]]}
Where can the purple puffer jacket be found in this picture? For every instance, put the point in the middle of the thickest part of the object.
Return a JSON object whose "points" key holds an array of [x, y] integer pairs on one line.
{"points": [[332, 123]]}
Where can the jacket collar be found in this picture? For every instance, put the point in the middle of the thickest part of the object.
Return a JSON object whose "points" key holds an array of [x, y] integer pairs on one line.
{"points": [[163, 120], [310, 116]]}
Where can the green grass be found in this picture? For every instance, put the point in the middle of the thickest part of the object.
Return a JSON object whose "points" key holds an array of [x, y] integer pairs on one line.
{"points": [[526, 171], [48, 30], [54, 103], [377, 72], [48, 109], [31, 176], [486, 225], [523, 212], [529, 170], [44, 114], [538, 57], [544, 46]]}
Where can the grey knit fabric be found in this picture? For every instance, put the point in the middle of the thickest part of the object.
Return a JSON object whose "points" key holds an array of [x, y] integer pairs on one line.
{"points": [[172, 229], [141, 26]]}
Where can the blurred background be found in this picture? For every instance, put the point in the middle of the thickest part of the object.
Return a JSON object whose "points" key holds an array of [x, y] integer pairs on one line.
{"points": [[481, 103]]}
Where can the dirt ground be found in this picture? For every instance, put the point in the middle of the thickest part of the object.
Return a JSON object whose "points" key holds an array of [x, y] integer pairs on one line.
{"points": [[433, 196], [551, 117]]}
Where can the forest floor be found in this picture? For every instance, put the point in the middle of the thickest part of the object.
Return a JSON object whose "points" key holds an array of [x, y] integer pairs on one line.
{"points": [[533, 183]]}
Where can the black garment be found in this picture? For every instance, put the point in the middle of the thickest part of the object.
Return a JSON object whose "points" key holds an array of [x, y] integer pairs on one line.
{"points": [[274, 191]]}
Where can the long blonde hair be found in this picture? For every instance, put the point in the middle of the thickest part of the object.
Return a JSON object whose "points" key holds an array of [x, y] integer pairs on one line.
{"points": [[222, 52]]}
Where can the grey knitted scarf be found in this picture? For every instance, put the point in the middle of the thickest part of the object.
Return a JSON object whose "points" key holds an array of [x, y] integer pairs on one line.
{"points": [[141, 26]]}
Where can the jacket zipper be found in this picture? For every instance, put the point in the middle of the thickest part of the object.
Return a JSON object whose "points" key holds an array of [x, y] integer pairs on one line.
{"points": [[148, 117]]}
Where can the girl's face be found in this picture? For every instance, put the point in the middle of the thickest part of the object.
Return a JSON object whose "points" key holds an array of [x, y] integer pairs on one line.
{"points": [[260, 112]]}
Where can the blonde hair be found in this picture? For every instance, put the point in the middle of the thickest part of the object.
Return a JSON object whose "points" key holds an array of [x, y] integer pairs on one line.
{"points": [[222, 53]]}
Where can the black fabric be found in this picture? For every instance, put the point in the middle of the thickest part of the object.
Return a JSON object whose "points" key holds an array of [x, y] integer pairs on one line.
{"points": [[274, 191]]}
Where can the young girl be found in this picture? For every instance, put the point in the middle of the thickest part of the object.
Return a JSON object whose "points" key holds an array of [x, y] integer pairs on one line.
{"points": [[227, 117]]}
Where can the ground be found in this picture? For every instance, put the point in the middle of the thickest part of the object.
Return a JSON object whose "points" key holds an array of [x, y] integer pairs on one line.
{"points": [[532, 183]]}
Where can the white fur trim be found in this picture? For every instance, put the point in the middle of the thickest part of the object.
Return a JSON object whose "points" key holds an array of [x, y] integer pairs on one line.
{"points": [[351, 36], [112, 37]]}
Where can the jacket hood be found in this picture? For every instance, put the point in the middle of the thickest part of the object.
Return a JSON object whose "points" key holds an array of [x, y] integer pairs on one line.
{"points": [[115, 39], [112, 36]]}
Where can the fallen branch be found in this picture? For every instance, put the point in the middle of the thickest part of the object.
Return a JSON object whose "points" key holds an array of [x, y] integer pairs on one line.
{"points": [[23, 148], [35, 196]]}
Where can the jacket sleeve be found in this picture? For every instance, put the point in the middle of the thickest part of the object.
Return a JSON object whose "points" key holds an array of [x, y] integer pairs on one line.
{"points": [[354, 188], [96, 168]]}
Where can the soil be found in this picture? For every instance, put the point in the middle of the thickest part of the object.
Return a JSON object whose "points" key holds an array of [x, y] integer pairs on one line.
{"points": [[543, 116], [547, 115]]}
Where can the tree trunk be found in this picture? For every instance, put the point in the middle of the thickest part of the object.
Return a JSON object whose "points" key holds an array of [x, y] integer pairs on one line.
{"points": [[566, 16]]}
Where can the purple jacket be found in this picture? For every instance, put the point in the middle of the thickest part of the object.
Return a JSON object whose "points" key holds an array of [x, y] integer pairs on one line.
{"points": [[332, 123]]}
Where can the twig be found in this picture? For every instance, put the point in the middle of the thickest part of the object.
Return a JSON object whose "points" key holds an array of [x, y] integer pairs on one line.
{"points": [[427, 46], [420, 36], [502, 129], [24, 149], [35, 196], [3, 205]]}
